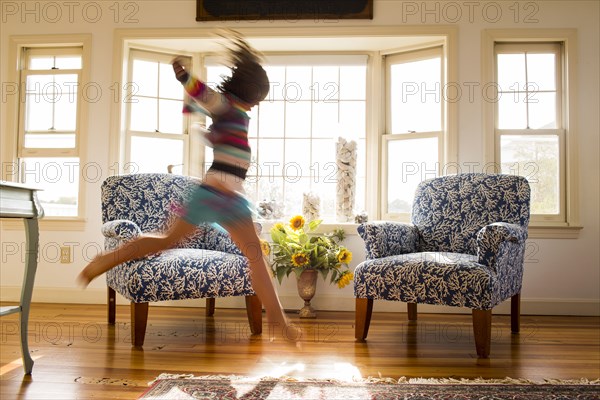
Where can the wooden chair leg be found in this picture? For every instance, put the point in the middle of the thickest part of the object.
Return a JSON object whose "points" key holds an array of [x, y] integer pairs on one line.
{"points": [[412, 311], [210, 306], [515, 313], [139, 320], [482, 329], [254, 311], [112, 305], [364, 309]]}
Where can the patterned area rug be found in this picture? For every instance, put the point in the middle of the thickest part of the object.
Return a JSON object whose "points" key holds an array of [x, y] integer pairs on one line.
{"points": [[235, 387]]}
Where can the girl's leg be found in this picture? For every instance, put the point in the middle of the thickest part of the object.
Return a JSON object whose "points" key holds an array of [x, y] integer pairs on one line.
{"points": [[137, 248], [244, 236]]}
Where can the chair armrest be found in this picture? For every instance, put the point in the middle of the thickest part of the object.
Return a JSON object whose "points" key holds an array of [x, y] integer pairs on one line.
{"points": [[121, 229], [491, 237], [385, 238]]}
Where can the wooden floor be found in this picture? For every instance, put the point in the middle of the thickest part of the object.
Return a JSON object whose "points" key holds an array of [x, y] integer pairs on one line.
{"points": [[78, 355]]}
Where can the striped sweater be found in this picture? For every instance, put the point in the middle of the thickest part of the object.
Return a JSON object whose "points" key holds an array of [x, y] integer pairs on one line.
{"points": [[229, 130]]}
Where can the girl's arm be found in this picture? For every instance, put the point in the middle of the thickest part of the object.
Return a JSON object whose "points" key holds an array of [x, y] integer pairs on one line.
{"points": [[212, 101]]}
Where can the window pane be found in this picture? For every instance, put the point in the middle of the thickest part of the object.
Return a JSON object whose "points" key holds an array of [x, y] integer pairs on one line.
{"points": [[40, 95], [155, 155], [325, 122], [145, 77], [277, 81], [326, 189], [40, 62], [297, 158], [253, 126], [360, 162], [168, 86], [269, 189], [65, 113], [271, 119], [68, 62], [512, 111], [38, 113], [214, 75], [541, 70], [326, 86], [359, 205], [294, 193], [41, 84], [298, 84], [409, 162], [415, 96], [361, 181], [542, 110], [66, 100], [170, 119], [511, 72], [537, 159], [297, 119], [270, 157], [352, 119], [143, 114], [66, 84], [50, 141], [59, 180], [353, 83], [250, 187], [323, 159]]}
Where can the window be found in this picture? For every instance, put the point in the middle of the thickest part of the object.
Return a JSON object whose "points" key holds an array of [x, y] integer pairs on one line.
{"points": [[313, 101], [414, 135], [531, 123], [530, 134], [156, 133], [50, 127]]}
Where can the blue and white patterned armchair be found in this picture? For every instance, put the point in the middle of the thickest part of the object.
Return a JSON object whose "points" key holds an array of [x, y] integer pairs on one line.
{"points": [[464, 248], [206, 265]]}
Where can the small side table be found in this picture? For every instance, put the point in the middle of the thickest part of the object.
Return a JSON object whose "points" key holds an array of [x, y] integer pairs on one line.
{"points": [[20, 201]]}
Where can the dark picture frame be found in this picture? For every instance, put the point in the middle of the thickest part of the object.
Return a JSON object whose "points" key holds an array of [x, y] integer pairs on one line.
{"points": [[291, 10]]}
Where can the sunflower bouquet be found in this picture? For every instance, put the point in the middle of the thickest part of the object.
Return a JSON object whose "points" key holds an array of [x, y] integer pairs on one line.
{"points": [[296, 248]]}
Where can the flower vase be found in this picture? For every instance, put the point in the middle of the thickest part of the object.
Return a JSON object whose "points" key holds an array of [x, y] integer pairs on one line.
{"points": [[307, 285]]}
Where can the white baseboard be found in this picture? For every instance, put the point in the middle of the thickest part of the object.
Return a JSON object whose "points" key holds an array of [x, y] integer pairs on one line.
{"points": [[324, 302]]}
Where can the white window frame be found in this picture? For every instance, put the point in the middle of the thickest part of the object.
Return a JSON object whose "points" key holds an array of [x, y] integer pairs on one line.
{"points": [[154, 56], [13, 148], [566, 224], [559, 131], [387, 137]]}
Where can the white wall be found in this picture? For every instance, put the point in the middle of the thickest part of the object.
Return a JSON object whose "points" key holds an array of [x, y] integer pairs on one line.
{"points": [[562, 276]]}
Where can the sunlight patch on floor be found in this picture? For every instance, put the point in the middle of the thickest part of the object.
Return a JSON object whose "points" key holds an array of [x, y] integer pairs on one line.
{"points": [[340, 371], [18, 363], [283, 369]]}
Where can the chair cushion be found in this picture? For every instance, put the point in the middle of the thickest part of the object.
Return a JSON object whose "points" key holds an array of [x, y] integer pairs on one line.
{"points": [[454, 279], [182, 274]]}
